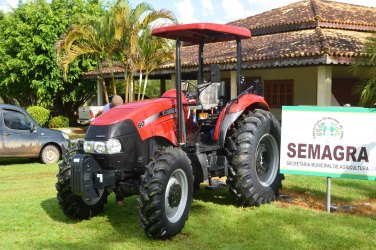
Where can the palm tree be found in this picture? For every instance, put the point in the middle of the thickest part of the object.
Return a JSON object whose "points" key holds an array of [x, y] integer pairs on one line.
{"points": [[154, 52], [367, 65], [130, 24], [92, 36]]}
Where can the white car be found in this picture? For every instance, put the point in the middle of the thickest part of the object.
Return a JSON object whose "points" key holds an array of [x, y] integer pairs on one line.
{"points": [[88, 113]]}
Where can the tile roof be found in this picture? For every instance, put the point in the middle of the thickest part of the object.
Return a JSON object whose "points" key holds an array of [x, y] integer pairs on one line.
{"points": [[308, 13], [292, 46], [301, 33]]}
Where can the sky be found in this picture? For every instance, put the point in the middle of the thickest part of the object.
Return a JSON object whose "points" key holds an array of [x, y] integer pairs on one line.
{"points": [[216, 11]]}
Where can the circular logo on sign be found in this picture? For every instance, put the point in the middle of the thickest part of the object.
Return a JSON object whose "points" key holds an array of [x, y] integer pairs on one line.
{"points": [[328, 128]]}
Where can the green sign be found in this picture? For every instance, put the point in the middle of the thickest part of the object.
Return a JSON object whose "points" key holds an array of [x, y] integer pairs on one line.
{"points": [[329, 141]]}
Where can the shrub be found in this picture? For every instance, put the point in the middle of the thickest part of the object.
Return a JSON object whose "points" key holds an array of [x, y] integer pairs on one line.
{"points": [[41, 115], [59, 122]]}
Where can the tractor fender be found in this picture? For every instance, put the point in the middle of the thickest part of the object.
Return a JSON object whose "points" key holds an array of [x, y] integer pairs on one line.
{"points": [[233, 110], [165, 129]]}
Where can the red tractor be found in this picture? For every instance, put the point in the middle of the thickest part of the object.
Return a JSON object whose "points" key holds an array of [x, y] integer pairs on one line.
{"points": [[163, 148]]}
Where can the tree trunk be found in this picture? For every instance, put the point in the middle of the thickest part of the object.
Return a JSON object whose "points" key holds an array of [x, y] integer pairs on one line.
{"points": [[104, 89], [103, 82], [145, 85], [113, 84], [131, 93], [126, 78], [139, 86]]}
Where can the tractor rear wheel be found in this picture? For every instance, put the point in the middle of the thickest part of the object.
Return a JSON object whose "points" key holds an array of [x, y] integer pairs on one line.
{"points": [[74, 206], [166, 193], [253, 148]]}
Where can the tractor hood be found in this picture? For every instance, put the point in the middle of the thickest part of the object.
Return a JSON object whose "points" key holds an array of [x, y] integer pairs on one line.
{"points": [[135, 111], [154, 117]]}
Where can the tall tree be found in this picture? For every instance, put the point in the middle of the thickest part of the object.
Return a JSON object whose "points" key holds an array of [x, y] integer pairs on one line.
{"points": [[153, 52], [130, 24], [91, 36], [28, 68], [367, 66]]}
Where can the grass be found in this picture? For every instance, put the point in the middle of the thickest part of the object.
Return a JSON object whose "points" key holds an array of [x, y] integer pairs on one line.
{"points": [[32, 219]]}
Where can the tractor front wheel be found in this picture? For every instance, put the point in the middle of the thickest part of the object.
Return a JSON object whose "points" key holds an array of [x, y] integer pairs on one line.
{"points": [[74, 206], [166, 193], [253, 148]]}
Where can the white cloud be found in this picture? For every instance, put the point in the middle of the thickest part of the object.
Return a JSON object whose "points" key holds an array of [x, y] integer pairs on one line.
{"points": [[207, 8], [8, 4], [185, 11], [234, 10]]}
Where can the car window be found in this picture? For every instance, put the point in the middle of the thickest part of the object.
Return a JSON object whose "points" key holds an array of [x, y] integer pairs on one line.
{"points": [[16, 120]]}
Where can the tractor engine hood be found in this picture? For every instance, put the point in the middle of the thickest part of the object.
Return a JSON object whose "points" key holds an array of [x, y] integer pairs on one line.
{"points": [[154, 117]]}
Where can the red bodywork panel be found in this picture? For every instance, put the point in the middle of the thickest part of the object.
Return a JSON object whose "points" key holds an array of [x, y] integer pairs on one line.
{"points": [[154, 117], [194, 33], [234, 107], [157, 117]]}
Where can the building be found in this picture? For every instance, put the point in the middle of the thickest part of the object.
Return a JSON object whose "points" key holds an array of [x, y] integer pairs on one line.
{"points": [[301, 53]]}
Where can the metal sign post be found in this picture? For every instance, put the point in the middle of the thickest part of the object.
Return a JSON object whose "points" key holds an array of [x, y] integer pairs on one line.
{"points": [[328, 184], [333, 142]]}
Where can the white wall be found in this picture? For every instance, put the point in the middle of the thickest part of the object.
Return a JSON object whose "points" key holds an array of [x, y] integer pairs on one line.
{"points": [[312, 85], [305, 79]]}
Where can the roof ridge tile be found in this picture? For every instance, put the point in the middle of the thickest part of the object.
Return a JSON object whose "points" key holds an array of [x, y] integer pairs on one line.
{"points": [[324, 45]]}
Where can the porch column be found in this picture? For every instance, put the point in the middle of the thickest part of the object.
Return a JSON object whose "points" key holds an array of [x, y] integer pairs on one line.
{"points": [[173, 80], [162, 86], [99, 93], [324, 86], [233, 84]]}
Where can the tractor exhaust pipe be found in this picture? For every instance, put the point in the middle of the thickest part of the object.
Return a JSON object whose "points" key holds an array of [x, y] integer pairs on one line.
{"points": [[181, 128], [238, 65]]}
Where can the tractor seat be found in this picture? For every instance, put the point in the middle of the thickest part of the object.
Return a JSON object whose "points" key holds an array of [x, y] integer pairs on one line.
{"points": [[209, 95]]}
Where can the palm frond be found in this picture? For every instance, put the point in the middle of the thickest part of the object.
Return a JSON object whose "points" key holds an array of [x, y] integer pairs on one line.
{"points": [[366, 66], [367, 92], [158, 15], [141, 9]]}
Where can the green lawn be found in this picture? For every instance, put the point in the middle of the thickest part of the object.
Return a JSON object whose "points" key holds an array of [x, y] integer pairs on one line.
{"points": [[31, 219]]}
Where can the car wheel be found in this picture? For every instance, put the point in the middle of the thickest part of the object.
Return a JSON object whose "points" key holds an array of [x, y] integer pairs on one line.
{"points": [[50, 154]]}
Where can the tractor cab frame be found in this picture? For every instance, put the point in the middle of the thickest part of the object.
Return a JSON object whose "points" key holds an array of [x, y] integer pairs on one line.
{"points": [[201, 34]]}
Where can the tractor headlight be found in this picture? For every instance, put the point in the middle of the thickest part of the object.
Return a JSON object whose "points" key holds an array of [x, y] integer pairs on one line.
{"points": [[111, 146], [89, 146], [99, 147]]}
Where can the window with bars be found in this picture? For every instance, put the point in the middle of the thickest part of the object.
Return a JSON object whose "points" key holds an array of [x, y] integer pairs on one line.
{"points": [[279, 92]]}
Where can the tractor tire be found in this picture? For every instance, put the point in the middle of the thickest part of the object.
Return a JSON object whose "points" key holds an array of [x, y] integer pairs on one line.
{"points": [[50, 154], [74, 206], [253, 153], [166, 193]]}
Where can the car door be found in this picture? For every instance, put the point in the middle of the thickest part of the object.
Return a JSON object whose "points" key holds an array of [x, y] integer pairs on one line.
{"points": [[20, 138]]}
